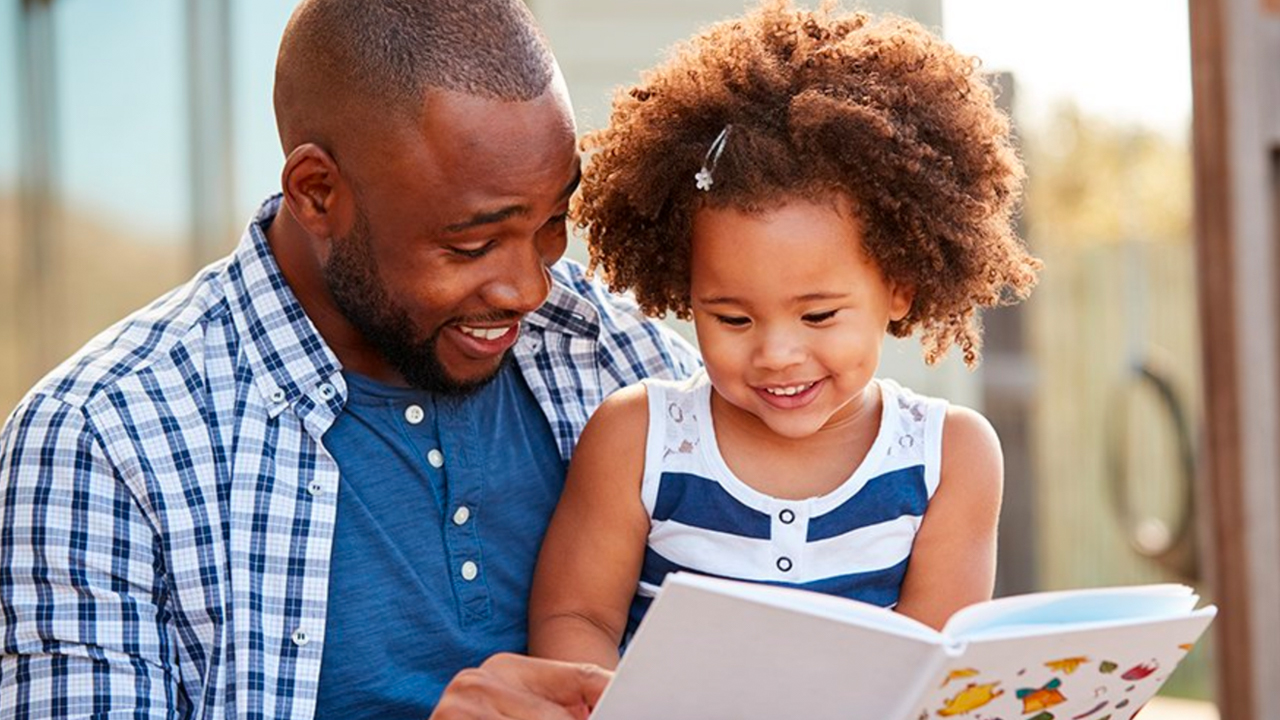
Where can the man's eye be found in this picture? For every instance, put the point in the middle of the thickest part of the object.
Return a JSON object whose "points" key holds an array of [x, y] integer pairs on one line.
{"points": [[732, 320], [473, 252], [818, 318], [555, 220]]}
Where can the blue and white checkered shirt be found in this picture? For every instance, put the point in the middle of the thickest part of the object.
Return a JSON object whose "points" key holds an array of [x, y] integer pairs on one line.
{"points": [[167, 508]]}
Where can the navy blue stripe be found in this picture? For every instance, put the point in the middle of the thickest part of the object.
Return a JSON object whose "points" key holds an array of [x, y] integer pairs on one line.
{"points": [[877, 587], [883, 498], [656, 567], [639, 606], [698, 502]]}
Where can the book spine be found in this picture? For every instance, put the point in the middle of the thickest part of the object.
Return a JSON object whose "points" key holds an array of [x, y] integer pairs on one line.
{"points": [[929, 676]]}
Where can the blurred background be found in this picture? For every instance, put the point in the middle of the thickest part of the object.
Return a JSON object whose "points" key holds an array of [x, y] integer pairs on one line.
{"points": [[137, 138]]}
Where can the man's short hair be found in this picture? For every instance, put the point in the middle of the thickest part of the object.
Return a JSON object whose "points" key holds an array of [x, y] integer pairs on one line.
{"points": [[384, 55]]}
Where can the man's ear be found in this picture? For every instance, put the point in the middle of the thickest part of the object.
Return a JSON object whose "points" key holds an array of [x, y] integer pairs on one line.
{"points": [[900, 299], [318, 196]]}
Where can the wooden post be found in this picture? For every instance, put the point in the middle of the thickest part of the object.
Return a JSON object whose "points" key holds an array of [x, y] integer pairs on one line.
{"points": [[1236, 237]]}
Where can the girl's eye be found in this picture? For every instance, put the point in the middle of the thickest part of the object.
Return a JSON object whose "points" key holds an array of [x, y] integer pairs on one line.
{"points": [[732, 320], [557, 220], [818, 318], [473, 253]]}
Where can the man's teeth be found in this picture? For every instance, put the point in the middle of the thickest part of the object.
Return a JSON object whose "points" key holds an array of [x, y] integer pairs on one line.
{"points": [[485, 333], [789, 390]]}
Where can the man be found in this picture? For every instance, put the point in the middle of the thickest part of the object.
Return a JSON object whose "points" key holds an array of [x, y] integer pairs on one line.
{"points": [[313, 481]]}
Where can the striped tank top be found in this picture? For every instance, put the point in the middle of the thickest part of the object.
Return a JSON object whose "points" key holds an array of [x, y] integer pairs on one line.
{"points": [[854, 541]]}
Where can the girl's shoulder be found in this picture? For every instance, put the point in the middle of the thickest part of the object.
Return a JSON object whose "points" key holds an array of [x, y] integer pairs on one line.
{"points": [[906, 399], [692, 385], [912, 413], [631, 406]]}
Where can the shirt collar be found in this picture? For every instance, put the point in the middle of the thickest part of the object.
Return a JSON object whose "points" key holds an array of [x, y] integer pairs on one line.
{"points": [[565, 311], [286, 353]]}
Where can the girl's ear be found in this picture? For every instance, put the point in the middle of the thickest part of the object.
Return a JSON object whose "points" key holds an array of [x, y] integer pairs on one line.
{"points": [[901, 295]]}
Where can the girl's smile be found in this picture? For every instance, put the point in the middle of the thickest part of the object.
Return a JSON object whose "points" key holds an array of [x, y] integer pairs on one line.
{"points": [[786, 397]]}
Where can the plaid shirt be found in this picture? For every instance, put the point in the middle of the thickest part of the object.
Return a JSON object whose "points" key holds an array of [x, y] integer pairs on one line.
{"points": [[167, 506]]}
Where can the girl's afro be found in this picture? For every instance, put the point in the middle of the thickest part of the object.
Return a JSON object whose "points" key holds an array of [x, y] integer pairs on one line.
{"points": [[820, 103]]}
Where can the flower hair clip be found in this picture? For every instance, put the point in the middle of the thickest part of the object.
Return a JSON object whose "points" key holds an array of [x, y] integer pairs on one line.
{"points": [[703, 177]]}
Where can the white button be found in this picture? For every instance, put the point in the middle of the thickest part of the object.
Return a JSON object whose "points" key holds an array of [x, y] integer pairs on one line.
{"points": [[414, 414], [315, 488], [461, 515], [327, 391], [784, 564], [469, 571], [300, 637], [435, 457], [787, 517], [277, 395]]}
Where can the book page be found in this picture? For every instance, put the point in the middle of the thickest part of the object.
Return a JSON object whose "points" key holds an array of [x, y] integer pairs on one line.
{"points": [[1089, 673], [710, 652], [1040, 612]]}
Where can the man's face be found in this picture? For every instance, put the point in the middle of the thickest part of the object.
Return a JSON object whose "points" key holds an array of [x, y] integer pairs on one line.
{"points": [[454, 231]]}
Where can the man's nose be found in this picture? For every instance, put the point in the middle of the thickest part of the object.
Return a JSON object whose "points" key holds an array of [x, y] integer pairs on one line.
{"points": [[523, 286]]}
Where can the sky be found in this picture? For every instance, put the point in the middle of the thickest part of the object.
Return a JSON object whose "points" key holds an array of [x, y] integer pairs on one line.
{"points": [[1128, 60]]}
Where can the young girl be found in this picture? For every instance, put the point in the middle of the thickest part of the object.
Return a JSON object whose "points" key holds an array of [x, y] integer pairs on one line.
{"points": [[797, 183]]}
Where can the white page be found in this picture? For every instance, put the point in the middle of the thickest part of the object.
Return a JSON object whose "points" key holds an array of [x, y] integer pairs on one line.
{"points": [[1040, 612], [703, 654]]}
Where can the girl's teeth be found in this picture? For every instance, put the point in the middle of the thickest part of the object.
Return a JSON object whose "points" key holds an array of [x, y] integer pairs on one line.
{"points": [[792, 390], [484, 333]]}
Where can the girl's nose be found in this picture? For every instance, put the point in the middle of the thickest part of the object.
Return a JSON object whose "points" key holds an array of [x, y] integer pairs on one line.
{"points": [[778, 350]]}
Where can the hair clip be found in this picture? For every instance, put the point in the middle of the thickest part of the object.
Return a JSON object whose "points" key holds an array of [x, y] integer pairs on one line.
{"points": [[703, 177]]}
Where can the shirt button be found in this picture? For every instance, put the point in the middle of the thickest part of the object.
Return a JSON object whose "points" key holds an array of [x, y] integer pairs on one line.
{"points": [[461, 515], [315, 488], [327, 391], [469, 571], [784, 564], [300, 637], [277, 395], [787, 517], [435, 457], [414, 414]]}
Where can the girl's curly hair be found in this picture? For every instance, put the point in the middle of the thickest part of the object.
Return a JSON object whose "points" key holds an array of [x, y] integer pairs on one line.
{"points": [[820, 103]]}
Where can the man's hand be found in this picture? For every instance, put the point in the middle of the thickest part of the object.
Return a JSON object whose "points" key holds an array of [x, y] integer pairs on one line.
{"points": [[522, 688]]}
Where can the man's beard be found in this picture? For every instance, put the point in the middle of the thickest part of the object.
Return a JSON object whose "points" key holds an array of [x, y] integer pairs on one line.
{"points": [[352, 279]]}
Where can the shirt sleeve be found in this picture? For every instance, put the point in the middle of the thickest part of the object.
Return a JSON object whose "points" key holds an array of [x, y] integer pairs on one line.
{"points": [[663, 353], [639, 347], [84, 627], [686, 359]]}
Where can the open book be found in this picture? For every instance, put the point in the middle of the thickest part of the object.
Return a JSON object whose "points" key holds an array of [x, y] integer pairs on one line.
{"points": [[712, 649]]}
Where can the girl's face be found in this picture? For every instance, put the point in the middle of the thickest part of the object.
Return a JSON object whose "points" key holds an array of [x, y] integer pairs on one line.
{"points": [[790, 311]]}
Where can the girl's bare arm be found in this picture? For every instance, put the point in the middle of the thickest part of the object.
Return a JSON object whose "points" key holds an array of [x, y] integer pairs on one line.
{"points": [[591, 557]]}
